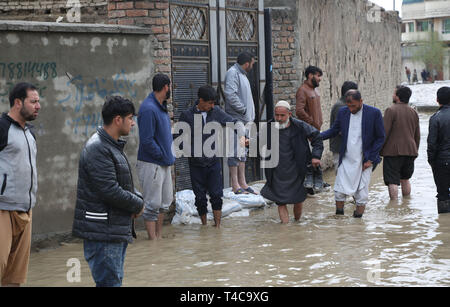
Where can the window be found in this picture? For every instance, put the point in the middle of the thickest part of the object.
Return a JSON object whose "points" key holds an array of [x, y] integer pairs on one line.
{"points": [[423, 26], [446, 26], [403, 27], [411, 26]]}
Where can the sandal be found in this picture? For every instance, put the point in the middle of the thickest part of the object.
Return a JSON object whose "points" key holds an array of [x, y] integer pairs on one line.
{"points": [[240, 191], [250, 190]]}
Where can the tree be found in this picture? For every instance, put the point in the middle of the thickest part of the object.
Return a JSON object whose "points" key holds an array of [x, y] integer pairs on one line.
{"points": [[431, 52]]}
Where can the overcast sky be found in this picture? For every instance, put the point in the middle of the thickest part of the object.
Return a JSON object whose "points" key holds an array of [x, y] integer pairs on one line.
{"points": [[388, 4]]}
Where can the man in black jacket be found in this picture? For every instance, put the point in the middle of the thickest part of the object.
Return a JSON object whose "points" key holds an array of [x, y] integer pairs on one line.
{"points": [[285, 181], [439, 149], [107, 202], [206, 169]]}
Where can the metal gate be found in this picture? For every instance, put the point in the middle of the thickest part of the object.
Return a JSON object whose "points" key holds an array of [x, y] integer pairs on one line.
{"points": [[191, 63], [206, 38], [244, 19]]}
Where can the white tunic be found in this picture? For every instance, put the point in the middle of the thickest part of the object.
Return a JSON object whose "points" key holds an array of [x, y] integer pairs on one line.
{"points": [[350, 176]]}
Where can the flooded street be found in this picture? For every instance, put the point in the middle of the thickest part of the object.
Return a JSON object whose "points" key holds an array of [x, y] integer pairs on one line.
{"points": [[402, 243]]}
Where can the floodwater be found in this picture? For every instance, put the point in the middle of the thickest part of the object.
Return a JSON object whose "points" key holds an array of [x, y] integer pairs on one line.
{"points": [[404, 243]]}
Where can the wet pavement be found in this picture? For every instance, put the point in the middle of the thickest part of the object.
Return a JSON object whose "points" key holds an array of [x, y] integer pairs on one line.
{"points": [[403, 243]]}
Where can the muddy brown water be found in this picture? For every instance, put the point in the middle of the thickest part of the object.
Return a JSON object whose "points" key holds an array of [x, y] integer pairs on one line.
{"points": [[404, 243]]}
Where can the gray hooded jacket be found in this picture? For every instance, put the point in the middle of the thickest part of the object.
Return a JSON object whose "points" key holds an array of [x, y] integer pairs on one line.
{"points": [[18, 176], [238, 95]]}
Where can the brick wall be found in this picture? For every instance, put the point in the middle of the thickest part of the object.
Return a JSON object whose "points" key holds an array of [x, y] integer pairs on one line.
{"points": [[284, 44], [152, 14]]}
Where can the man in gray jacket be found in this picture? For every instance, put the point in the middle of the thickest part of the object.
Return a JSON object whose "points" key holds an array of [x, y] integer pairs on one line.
{"points": [[239, 105], [18, 183]]}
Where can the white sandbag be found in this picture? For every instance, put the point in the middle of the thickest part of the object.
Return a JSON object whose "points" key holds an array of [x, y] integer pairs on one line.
{"points": [[242, 213], [185, 203], [185, 219], [247, 201], [229, 207]]}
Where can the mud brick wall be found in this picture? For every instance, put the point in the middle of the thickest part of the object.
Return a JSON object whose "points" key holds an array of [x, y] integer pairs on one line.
{"points": [[348, 39]]}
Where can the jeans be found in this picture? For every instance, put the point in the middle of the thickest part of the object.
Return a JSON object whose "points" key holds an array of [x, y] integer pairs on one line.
{"points": [[106, 261]]}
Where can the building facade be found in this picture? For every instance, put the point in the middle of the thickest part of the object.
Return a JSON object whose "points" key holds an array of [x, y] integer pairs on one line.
{"points": [[420, 19]]}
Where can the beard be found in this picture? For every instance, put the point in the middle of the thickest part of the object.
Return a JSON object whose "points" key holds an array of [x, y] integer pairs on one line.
{"points": [[27, 115], [314, 82], [168, 95], [281, 125]]}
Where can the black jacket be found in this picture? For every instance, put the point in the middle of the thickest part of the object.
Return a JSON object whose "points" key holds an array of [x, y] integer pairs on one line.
{"points": [[439, 137], [214, 115], [299, 142], [106, 198]]}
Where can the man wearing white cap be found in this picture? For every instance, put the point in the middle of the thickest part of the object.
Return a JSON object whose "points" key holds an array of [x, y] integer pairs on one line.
{"points": [[285, 181]]}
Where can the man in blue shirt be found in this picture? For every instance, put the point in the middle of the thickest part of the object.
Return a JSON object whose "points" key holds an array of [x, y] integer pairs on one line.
{"points": [[362, 130], [155, 156]]}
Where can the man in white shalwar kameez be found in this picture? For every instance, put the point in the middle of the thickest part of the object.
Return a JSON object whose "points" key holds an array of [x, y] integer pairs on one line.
{"points": [[359, 154]]}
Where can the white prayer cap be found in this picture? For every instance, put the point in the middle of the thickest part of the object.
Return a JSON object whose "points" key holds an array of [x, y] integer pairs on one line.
{"points": [[283, 103]]}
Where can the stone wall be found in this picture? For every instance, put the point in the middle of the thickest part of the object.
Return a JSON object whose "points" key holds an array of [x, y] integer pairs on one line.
{"points": [[91, 11], [348, 39]]}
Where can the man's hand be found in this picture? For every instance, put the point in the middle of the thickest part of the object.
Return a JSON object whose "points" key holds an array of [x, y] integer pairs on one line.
{"points": [[135, 216], [243, 141], [315, 162], [367, 165]]}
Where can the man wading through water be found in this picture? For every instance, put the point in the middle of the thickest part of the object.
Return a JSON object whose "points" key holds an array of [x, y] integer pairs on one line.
{"points": [[285, 182], [206, 172], [155, 156], [362, 130]]}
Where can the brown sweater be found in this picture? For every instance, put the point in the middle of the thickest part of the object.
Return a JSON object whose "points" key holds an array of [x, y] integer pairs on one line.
{"points": [[307, 106], [401, 123]]}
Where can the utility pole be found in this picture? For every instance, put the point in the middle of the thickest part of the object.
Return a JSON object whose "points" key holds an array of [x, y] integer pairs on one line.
{"points": [[393, 4]]}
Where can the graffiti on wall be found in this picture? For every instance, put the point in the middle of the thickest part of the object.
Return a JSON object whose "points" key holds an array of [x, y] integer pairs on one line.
{"points": [[14, 71], [79, 90], [87, 91]]}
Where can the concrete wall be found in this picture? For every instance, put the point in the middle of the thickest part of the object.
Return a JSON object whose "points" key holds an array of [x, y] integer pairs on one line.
{"points": [[85, 11], [101, 60], [348, 39]]}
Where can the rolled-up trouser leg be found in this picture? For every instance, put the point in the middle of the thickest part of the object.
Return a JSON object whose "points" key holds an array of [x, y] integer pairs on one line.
{"points": [[157, 189]]}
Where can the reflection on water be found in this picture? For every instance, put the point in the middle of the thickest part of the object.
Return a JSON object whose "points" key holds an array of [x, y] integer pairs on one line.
{"points": [[403, 243]]}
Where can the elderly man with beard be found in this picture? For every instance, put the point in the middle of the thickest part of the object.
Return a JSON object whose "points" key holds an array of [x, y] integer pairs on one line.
{"points": [[285, 181]]}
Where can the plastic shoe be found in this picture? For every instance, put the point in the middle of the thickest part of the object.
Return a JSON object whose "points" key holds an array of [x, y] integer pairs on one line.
{"points": [[317, 179], [309, 178]]}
